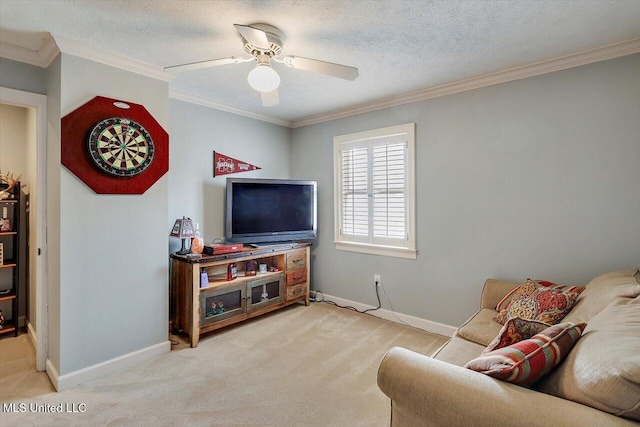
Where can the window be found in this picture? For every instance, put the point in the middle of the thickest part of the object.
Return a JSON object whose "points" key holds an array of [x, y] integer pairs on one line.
{"points": [[375, 191]]}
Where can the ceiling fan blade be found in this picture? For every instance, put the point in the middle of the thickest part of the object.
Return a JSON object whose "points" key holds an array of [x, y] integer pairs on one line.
{"points": [[205, 64], [322, 67], [256, 37], [269, 99]]}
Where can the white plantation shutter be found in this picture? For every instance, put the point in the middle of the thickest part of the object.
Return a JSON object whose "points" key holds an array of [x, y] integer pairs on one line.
{"points": [[388, 191], [355, 192], [374, 186]]}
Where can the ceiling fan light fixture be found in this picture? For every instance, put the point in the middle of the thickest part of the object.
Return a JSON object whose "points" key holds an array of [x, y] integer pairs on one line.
{"points": [[263, 78]]}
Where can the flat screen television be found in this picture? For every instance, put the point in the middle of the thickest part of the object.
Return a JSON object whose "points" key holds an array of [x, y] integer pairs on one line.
{"points": [[270, 210]]}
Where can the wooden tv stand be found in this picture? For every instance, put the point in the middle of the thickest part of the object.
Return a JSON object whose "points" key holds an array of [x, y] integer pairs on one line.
{"points": [[197, 309]]}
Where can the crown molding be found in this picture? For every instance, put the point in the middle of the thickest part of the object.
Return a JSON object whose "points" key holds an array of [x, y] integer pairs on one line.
{"points": [[205, 102], [54, 44], [20, 54], [627, 47], [75, 48], [48, 51], [40, 58]]}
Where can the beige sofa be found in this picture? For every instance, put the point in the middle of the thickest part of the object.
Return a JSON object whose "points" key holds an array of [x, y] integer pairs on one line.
{"points": [[598, 384]]}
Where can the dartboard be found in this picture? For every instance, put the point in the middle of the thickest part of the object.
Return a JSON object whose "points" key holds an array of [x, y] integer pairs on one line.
{"points": [[121, 147]]}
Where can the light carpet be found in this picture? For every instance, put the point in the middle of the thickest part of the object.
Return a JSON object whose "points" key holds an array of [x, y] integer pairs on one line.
{"points": [[299, 366]]}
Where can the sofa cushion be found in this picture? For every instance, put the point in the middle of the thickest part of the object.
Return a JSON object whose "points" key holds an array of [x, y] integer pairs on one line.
{"points": [[533, 301], [602, 291], [494, 291], [527, 361], [481, 328], [603, 370], [458, 351], [515, 330]]}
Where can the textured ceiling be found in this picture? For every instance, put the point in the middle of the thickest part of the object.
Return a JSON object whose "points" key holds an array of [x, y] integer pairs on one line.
{"points": [[398, 46]]}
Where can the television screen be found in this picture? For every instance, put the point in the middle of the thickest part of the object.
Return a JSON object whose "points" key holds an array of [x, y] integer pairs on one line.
{"points": [[270, 210]]}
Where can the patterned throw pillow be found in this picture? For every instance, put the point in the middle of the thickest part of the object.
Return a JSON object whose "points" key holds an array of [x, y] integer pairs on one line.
{"points": [[515, 330], [533, 301], [527, 361]]}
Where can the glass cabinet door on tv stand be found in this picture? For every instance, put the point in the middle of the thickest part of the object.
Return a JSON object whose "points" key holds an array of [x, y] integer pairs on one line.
{"points": [[220, 304], [264, 292]]}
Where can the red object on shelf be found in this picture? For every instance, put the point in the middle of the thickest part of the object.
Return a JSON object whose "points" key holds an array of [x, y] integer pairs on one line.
{"points": [[218, 249], [232, 271]]}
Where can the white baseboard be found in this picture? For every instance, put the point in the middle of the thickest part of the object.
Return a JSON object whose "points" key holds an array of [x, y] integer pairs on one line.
{"points": [[52, 373], [427, 325], [32, 334], [72, 379]]}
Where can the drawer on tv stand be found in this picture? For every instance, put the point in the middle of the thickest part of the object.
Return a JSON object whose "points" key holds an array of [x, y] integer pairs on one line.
{"points": [[296, 276], [296, 291], [296, 259]]}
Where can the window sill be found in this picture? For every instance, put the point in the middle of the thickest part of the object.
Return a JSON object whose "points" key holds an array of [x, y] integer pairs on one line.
{"points": [[377, 250]]}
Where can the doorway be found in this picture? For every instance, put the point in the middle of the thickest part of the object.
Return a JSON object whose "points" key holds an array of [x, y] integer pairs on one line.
{"points": [[36, 105]]}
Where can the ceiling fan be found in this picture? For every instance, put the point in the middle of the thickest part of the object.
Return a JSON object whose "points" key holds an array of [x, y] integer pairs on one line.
{"points": [[264, 43]]}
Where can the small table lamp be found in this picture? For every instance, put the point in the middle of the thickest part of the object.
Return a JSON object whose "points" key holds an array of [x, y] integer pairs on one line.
{"points": [[183, 229]]}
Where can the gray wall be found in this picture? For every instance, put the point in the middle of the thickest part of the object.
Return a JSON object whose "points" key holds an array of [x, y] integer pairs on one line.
{"points": [[197, 131], [533, 178], [113, 278], [21, 76]]}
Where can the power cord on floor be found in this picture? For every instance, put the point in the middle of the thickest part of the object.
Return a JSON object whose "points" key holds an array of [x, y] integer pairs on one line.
{"points": [[348, 307], [394, 313]]}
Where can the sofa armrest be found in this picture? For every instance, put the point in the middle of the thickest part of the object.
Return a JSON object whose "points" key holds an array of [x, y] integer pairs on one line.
{"points": [[429, 392], [494, 290]]}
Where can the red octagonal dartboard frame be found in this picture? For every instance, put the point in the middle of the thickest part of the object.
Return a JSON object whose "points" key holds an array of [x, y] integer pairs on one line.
{"points": [[76, 127]]}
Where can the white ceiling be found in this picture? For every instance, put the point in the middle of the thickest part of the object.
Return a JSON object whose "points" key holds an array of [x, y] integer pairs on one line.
{"points": [[398, 46]]}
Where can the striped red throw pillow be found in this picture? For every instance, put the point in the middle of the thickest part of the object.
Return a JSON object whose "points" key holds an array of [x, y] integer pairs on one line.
{"points": [[527, 361]]}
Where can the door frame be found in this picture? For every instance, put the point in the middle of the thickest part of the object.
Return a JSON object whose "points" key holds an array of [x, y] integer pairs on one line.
{"points": [[37, 102]]}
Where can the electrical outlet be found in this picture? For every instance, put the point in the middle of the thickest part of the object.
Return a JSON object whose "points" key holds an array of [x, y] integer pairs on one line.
{"points": [[376, 280]]}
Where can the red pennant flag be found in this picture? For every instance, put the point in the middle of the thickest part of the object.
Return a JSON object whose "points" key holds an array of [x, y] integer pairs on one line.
{"points": [[224, 165]]}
